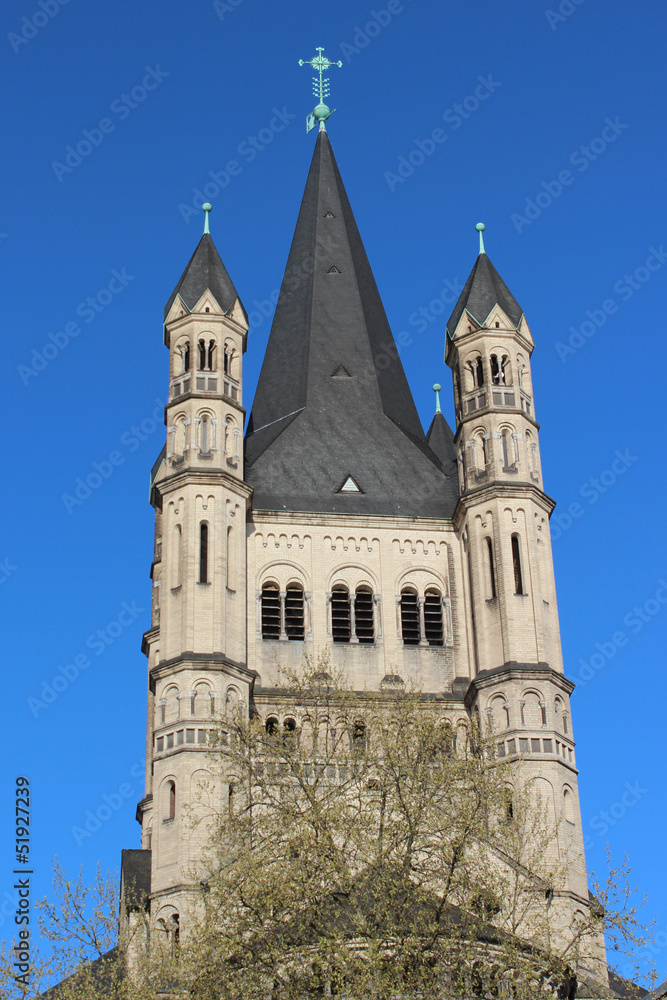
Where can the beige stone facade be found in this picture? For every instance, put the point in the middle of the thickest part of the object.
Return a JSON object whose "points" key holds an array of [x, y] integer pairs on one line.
{"points": [[482, 601]]}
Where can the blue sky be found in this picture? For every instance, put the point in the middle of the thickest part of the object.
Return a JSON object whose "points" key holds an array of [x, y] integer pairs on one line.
{"points": [[549, 119]]}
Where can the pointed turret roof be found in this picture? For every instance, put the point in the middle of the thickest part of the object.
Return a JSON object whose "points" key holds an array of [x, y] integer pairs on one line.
{"points": [[333, 402], [440, 439], [205, 271], [483, 290]]}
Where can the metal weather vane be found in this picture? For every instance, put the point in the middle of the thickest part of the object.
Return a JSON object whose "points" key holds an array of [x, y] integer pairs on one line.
{"points": [[320, 89]]}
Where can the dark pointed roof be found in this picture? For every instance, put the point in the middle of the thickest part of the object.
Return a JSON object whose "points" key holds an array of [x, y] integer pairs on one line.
{"points": [[483, 290], [440, 439], [205, 271], [333, 400]]}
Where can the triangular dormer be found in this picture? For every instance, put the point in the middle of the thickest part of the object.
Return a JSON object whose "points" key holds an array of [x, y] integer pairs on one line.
{"points": [[350, 486], [208, 304]]}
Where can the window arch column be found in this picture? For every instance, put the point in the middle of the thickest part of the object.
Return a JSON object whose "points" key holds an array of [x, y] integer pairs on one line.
{"points": [[422, 623]]}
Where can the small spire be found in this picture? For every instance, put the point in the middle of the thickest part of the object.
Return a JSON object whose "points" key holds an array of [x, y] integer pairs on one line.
{"points": [[207, 208], [436, 389], [320, 90], [480, 227]]}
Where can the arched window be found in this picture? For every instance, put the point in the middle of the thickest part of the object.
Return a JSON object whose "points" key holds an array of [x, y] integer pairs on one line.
{"points": [[185, 358], [491, 569], [294, 611], [516, 565], [228, 561], [433, 632], [340, 614], [232, 439], [500, 370], [410, 617], [271, 725], [289, 734], [203, 552], [210, 356], [568, 805], [358, 738], [180, 435], [227, 361], [270, 611], [509, 804], [477, 372], [445, 741], [508, 460], [170, 801], [177, 556], [201, 347], [202, 701], [204, 434], [485, 450], [363, 615]]}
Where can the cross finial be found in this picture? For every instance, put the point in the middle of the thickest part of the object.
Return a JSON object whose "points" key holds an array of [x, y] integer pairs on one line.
{"points": [[436, 389], [321, 112], [207, 208], [480, 227]]}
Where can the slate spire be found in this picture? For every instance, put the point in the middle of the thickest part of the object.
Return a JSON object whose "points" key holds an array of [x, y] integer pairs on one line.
{"points": [[332, 400], [440, 437], [205, 270], [483, 290]]}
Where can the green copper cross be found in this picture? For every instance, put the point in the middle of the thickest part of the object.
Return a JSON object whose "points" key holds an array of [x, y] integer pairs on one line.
{"points": [[320, 89]]}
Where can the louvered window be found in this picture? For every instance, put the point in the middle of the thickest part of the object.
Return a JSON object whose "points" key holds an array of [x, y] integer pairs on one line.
{"points": [[294, 612], [363, 615], [340, 614], [358, 740], [410, 618], [270, 611], [433, 632]]}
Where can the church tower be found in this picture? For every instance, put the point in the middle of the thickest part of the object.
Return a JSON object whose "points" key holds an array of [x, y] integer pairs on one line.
{"points": [[196, 646], [340, 529], [518, 687]]}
